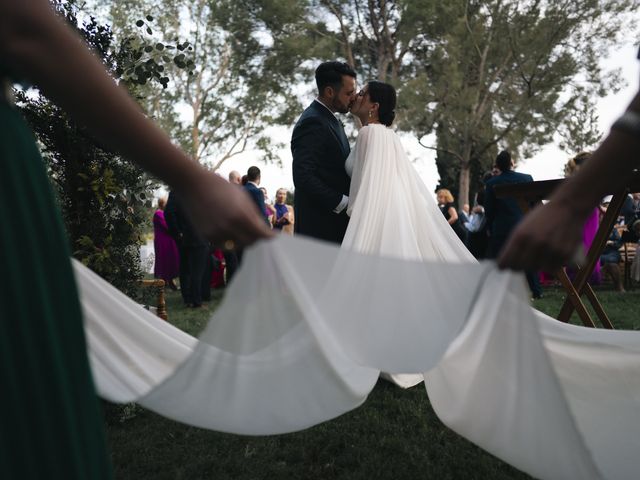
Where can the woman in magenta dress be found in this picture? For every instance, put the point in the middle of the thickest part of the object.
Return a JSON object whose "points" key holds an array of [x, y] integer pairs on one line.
{"points": [[593, 222], [167, 261]]}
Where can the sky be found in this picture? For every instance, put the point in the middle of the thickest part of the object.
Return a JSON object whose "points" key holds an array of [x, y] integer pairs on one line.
{"points": [[548, 163]]}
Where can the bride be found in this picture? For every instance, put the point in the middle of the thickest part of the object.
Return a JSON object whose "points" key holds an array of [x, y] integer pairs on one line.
{"points": [[392, 212]]}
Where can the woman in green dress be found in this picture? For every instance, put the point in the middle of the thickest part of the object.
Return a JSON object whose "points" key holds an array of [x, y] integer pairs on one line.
{"points": [[50, 423]]}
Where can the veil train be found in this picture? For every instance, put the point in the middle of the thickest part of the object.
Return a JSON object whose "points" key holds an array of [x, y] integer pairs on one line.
{"points": [[306, 328]]}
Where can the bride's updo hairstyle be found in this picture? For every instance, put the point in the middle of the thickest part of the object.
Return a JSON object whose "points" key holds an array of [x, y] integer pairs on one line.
{"points": [[384, 95]]}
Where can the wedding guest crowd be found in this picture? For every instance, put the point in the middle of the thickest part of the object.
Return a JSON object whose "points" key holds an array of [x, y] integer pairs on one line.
{"points": [[182, 252]]}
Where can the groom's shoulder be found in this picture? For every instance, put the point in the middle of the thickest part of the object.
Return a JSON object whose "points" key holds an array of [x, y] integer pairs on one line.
{"points": [[311, 111], [310, 116]]}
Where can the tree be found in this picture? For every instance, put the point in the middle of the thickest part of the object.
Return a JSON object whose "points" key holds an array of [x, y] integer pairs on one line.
{"points": [[104, 200], [223, 106], [513, 74], [482, 74]]}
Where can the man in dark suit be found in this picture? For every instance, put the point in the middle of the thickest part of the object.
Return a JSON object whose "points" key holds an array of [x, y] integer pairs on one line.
{"points": [[320, 148], [503, 214], [195, 258], [252, 188]]}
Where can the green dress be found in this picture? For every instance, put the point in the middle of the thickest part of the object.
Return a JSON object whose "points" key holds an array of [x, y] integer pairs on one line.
{"points": [[50, 419]]}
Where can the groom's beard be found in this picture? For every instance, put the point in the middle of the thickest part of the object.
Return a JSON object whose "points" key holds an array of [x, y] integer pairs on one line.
{"points": [[341, 108]]}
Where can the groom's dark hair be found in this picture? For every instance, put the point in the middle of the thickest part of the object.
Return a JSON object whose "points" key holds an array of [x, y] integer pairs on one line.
{"points": [[329, 74]]}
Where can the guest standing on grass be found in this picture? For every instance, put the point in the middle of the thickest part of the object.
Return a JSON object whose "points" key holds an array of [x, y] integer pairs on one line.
{"points": [[252, 187], [503, 214], [51, 426], [167, 260], [283, 219], [590, 225], [610, 259], [194, 248], [448, 209]]}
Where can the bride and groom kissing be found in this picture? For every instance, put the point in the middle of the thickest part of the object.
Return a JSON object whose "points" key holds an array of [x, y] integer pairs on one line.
{"points": [[369, 198]]}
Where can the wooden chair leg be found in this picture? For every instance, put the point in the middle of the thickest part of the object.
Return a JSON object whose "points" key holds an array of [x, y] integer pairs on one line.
{"points": [[595, 303], [161, 308], [574, 302]]}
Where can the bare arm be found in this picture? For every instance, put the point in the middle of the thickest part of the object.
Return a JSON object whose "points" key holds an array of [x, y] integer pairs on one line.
{"points": [[39, 47], [548, 237], [453, 216], [292, 218]]}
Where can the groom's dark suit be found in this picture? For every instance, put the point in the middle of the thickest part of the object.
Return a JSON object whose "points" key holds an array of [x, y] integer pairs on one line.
{"points": [[320, 148]]}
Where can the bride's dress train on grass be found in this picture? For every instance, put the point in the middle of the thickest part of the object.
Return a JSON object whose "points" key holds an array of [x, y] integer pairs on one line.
{"points": [[306, 328]]}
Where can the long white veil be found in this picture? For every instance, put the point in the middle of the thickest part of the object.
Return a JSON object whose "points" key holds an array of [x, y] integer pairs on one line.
{"points": [[305, 329]]}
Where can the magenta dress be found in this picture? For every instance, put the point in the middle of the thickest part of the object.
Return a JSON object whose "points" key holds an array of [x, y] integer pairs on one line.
{"points": [[588, 234], [217, 272], [167, 264]]}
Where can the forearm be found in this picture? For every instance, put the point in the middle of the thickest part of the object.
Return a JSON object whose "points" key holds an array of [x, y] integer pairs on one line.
{"points": [[41, 49]]}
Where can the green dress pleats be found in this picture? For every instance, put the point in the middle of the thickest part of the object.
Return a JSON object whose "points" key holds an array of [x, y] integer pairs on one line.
{"points": [[50, 420]]}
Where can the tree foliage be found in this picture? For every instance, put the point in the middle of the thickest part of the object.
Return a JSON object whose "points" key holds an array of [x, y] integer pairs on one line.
{"points": [[482, 74], [236, 88], [104, 200], [515, 75]]}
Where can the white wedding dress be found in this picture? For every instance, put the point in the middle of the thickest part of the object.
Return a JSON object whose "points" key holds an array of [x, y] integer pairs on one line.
{"points": [[306, 328], [392, 212]]}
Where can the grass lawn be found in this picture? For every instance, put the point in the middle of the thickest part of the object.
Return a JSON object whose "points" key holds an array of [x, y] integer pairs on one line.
{"points": [[394, 435]]}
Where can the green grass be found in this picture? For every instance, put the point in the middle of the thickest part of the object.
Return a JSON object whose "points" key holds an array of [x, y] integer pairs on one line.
{"points": [[621, 308], [394, 435]]}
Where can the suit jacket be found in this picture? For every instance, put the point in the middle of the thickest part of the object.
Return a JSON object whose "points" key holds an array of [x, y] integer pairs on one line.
{"points": [[258, 198], [503, 214], [180, 227], [320, 148]]}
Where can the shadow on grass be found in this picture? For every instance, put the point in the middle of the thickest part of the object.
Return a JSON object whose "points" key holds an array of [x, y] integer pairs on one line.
{"points": [[394, 435]]}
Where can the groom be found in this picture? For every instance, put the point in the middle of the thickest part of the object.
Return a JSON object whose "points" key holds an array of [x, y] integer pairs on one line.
{"points": [[320, 148]]}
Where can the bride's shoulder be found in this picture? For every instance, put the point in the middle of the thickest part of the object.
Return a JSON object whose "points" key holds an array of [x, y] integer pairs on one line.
{"points": [[370, 130]]}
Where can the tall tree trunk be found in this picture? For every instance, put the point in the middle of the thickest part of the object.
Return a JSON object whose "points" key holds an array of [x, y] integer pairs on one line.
{"points": [[463, 185], [465, 174]]}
